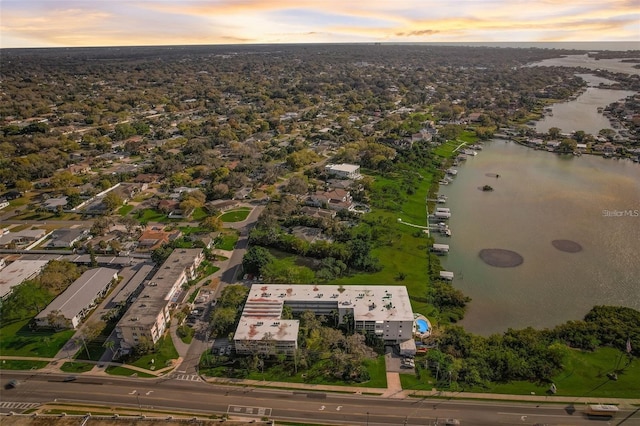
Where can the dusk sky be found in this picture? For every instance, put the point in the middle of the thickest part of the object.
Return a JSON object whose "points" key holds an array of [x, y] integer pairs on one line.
{"points": [[58, 23]]}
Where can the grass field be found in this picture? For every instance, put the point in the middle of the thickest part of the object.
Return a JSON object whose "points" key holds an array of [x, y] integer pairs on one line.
{"points": [[124, 210], [584, 375], [123, 371], [17, 339], [375, 367], [76, 367], [160, 358], [20, 364], [236, 215], [188, 230], [151, 215], [228, 240], [198, 214]]}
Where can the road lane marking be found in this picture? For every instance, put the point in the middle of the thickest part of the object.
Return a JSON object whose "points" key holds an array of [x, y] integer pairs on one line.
{"points": [[339, 408], [249, 410], [133, 392], [322, 407]]}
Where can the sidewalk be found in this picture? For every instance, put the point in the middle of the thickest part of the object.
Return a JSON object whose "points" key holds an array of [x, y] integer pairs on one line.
{"points": [[393, 392], [393, 389]]}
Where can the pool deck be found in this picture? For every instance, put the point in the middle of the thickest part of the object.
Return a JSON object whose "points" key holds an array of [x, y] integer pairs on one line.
{"points": [[416, 328]]}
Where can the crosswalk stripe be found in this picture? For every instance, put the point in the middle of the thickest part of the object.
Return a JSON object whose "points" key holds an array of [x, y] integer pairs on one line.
{"points": [[18, 405], [188, 377]]}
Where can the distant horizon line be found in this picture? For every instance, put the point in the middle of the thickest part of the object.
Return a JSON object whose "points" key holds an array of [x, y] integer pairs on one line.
{"points": [[632, 45]]}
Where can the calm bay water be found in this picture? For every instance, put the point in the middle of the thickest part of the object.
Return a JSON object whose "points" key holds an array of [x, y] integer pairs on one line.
{"points": [[582, 114], [541, 197], [584, 61]]}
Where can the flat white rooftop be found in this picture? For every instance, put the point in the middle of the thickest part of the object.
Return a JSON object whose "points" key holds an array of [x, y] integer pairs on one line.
{"points": [[281, 330], [15, 273], [369, 303], [344, 167], [81, 293]]}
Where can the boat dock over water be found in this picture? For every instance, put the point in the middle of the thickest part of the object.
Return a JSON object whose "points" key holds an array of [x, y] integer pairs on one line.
{"points": [[446, 275], [440, 248]]}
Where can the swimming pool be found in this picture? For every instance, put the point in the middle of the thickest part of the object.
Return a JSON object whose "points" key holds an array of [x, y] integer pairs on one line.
{"points": [[423, 327]]}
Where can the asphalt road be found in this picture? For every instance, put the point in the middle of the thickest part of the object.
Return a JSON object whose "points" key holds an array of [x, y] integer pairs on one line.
{"points": [[206, 399]]}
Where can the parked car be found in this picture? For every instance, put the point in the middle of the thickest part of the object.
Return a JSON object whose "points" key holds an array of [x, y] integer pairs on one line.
{"points": [[451, 422], [228, 351], [69, 379]]}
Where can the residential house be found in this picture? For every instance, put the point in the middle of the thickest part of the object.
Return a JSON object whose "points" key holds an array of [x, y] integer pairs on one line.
{"points": [[79, 169], [54, 204], [318, 212], [65, 238], [335, 199], [155, 238], [167, 206], [21, 238], [222, 205], [308, 234]]}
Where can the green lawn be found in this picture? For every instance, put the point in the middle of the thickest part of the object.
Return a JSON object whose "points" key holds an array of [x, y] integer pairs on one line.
{"points": [[584, 375], [275, 372], [236, 215], [165, 351], [76, 367], [208, 270], [19, 364], [17, 339], [186, 333], [123, 371], [151, 215], [228, 241], [188, 230], [199, 214], [124, 210], [378, 370]]}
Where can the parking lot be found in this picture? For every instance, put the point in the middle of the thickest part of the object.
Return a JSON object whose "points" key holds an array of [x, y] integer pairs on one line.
{"points": [[396, 363]]}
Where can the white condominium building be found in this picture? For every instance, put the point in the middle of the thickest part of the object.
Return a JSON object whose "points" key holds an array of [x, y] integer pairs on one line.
{"points": [[384, 311]]}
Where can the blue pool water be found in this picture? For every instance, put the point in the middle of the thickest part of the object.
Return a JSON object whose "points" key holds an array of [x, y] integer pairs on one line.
{"points": [[423, 327]]}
